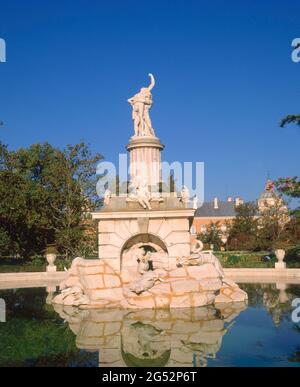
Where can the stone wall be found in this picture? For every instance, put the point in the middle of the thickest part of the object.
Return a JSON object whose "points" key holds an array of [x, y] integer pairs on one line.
{"points": [[172, 231]]}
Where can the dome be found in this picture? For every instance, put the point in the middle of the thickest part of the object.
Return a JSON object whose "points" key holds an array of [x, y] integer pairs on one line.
{"points": [[267, 195]]}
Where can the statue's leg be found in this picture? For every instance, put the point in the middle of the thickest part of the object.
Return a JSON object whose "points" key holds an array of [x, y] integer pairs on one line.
{"points": [[140, 107], [136, 125], [142, 203], [148, 122]]}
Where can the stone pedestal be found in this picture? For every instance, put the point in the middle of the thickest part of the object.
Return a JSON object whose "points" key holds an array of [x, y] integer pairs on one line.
{"points": [[280, 254], [280, 265], [51, 268], [167, 230], [145, 160], [51, 257]]}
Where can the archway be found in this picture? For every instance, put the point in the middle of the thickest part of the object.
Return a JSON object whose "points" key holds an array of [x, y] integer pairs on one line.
{"points": [[138, 244]]}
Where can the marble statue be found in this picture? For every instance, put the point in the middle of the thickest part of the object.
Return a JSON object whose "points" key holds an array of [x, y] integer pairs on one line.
{"points": [[107, 197], [195, 203], [186, 286], [138, 191], [185, 194], [143, 261], [199, 257], [141, 104], [144, 282], [138, 249]]}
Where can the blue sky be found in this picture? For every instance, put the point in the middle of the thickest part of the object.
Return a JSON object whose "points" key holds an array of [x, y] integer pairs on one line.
{"points": [[224, 79]]}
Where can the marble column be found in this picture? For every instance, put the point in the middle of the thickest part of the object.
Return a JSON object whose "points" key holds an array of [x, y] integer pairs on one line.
{"points": [[145, 160]]}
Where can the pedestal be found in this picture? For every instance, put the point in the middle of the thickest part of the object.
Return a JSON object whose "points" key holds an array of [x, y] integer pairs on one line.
{"points": [[280, 265], [121, 230], [145, 160], [51, 269]]}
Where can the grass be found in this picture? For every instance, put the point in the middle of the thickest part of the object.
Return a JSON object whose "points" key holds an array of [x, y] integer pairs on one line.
{"points": [[37, 264], [246, 259]]}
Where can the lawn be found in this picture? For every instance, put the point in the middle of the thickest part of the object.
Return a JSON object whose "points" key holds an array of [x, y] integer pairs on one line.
{"points": [[246, 259]]}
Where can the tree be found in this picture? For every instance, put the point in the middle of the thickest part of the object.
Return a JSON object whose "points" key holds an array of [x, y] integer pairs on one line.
{"points": [[45, 194], [289, 186], [290, 119], [211, 236], [243, 230], [272, 225]]}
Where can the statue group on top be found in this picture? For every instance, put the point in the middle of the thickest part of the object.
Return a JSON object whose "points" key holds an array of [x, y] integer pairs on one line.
{"points": [[141, 104]]}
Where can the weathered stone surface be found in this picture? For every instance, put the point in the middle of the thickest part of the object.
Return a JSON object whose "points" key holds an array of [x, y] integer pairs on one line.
{"points": [[162, 301], [204, 271], [92, 281], [111, 281], [95, 284], [106, 226], [154, 225], [176, 237], [115, 294], [142, 301], [180, 301], [202, 299], [69, 282], [108, 251], [181, 287], [231, 295], [161, 288], [180, 272], [179, 250], [129, 275], [210, 284]]}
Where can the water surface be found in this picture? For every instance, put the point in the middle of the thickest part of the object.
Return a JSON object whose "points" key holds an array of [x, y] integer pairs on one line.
{"points": [[261, 334]]}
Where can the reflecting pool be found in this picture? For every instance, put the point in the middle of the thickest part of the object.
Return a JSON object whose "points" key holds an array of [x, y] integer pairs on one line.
{"points": [[261, 334]]}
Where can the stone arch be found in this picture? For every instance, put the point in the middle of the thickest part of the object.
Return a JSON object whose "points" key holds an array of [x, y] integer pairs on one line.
{"points": [[148, 241], [144, 239]]}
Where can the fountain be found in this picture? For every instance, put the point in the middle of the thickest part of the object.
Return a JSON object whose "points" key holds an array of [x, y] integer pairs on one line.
{"points": [[146, 255]]}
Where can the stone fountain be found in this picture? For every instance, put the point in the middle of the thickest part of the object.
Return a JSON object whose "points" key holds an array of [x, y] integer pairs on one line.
{"points": [[146, 255]]}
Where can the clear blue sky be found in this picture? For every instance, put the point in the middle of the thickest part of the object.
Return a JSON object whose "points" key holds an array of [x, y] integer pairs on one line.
{"points": [[224, 79]]}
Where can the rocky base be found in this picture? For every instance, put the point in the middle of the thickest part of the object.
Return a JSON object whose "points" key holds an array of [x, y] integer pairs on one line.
{"points": [[94, 284]]}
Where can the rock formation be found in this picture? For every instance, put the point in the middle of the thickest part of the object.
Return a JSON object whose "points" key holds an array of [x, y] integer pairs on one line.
{"points": [[93, 283]]}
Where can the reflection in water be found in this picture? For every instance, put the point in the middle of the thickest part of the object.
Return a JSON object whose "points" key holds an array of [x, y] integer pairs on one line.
{"points": [[179, 337], [34, 334], [275, 298]]}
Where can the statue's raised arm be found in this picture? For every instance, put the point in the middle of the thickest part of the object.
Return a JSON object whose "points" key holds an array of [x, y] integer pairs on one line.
{"points": [[152, 83]]}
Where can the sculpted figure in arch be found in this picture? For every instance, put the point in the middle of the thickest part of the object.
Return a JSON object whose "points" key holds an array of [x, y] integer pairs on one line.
{"points": [[141, 104], [138, 190]]}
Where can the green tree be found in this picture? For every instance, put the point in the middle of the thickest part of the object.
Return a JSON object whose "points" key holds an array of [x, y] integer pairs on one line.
{"points": [[45, 194], [272, 225], [211, 236], [290, 186], [243, 230], [290, 119]]}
